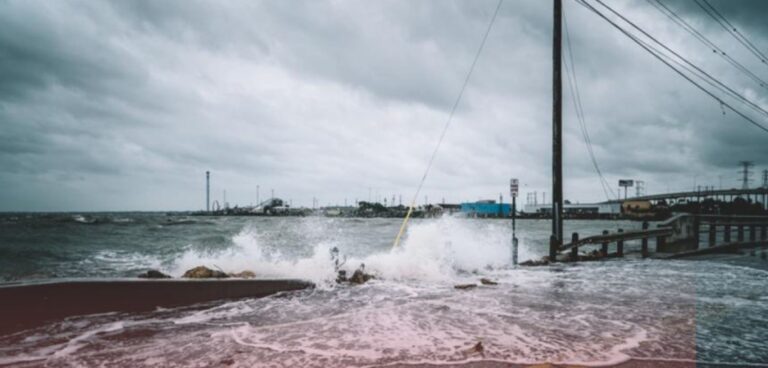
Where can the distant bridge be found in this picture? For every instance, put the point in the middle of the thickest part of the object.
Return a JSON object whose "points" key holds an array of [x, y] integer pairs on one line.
{"points": [[756, 194]]}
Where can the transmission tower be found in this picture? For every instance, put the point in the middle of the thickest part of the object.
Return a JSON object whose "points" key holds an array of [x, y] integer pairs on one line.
{"points": [[746, 174], [765, 179], [639, 188]]}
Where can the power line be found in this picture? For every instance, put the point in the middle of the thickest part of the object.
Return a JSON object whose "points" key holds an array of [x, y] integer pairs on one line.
{"points": [[447, 124], [701, 74], [657, 54], [576, 97], [720, 19], [703, 39]]}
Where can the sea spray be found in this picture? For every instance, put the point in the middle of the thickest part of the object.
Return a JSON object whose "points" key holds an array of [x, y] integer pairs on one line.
{"points": [[433, 250]]}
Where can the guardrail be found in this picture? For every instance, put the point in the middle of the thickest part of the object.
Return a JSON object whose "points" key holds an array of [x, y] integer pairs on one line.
{"points": [[679, 234]]}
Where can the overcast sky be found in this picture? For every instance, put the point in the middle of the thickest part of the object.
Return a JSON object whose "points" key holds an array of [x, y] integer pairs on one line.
{"points": [[123, 105]]}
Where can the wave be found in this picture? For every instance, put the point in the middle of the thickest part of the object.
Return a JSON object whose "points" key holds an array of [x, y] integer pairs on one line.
{"points": [[433, 250]]}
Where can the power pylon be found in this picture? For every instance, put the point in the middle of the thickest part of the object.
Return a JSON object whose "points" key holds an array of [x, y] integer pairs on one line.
{"points": [[746, 174]]}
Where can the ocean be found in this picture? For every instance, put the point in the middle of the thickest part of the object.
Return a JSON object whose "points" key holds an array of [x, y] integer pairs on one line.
{"points": [[708, 310]]}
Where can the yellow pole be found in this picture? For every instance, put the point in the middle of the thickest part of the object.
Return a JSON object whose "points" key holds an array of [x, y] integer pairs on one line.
{"points": [[402, 227]]}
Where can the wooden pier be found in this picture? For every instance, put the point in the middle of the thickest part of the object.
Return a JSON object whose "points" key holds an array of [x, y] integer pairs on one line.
{"points": [[680, 236]]}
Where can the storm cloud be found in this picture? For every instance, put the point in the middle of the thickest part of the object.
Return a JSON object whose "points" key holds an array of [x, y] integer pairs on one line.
{"points": [[123, 105]]}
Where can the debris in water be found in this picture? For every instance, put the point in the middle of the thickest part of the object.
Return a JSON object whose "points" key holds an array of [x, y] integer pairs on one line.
{"points": [[485, 281], [202, 272], [154, 274], [465, 286], [476, 349], [342, 277]]}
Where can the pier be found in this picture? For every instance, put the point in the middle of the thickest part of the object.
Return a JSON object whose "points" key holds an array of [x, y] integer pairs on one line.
{"points": [[681, 236]]}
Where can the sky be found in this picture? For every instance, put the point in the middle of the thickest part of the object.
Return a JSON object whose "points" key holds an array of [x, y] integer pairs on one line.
{"points": [[124, 105]]}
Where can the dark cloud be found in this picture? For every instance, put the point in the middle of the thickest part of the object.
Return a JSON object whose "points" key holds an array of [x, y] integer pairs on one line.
{"points": [[125, 104]]}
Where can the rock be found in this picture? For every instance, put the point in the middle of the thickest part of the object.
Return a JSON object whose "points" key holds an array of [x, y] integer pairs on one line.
{"points": [[485, 281], [360, 277], [465, 286], [244, 275], [202, 272], [154, 274], [532, 262]]}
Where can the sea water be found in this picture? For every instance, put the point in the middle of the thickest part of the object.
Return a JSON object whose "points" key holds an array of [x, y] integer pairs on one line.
{"points": [[593, 313]]}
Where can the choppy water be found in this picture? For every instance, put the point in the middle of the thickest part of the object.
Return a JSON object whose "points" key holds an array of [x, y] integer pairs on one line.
{"points": [[590, 313]]}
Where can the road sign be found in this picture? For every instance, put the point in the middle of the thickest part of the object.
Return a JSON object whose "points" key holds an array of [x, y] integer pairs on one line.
{"points": [[513, 187], [626, 182]]}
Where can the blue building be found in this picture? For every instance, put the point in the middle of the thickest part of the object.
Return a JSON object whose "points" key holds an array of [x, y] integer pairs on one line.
{"points": [[488, 208]]}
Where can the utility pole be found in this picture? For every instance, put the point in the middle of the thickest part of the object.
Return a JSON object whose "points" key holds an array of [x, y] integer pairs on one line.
{"points": [[746, 174], [556, 238]]}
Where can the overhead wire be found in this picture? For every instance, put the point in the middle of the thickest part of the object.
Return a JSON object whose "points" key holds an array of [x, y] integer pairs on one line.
{"points": [[570, 70], [732, 30], [446, 126], [661, 57], [671, 14], [697, 71]]}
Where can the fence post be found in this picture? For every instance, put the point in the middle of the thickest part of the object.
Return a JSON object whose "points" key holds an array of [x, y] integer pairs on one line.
{"points": [[727, 231], [661, 241], [712, 233], [575, 249], [604, 248], [752, 233], [696, 234], [740, 233], [644, 246], [763, 234], [620, 245]]}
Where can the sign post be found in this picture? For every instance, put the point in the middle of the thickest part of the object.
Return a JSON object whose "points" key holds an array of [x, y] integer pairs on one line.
{"points": [[625, 183], [513, 189]]}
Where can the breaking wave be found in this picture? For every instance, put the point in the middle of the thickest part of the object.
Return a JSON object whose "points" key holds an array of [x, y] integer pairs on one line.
{"points": [[433, 250]]}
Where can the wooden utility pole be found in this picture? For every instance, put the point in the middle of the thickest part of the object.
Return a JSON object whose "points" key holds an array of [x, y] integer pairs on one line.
{"points": [[557, 134]]}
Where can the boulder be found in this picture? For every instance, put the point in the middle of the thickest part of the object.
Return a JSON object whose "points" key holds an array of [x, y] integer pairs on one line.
{"points": [[154, 274], [202, 272], [541, 262], [360, 277], [244, 275]]}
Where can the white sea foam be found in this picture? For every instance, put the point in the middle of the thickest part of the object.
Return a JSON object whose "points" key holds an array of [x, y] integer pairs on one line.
{"points": [[433, 250]]}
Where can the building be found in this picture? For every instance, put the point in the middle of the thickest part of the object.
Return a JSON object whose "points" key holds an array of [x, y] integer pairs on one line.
{"points": [[577, 208], [486, 208]]}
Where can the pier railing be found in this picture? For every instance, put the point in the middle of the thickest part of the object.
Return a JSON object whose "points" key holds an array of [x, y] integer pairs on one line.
{"points": [[681, 235]]}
